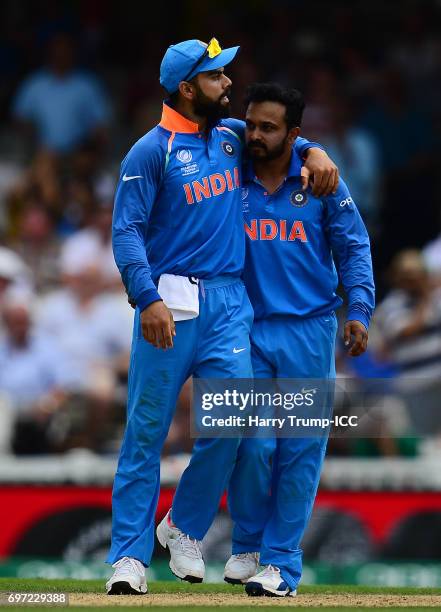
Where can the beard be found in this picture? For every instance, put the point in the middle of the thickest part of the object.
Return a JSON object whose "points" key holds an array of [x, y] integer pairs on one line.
{"points": [[213, 110], [259, 151]]}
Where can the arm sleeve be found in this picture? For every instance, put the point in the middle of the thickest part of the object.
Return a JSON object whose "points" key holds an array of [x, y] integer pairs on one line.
{"points": [[351, 248], [301, 145], [134, 201]]}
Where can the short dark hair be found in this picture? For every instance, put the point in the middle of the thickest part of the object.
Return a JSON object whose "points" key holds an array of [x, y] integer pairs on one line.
{"points": [[292, 100], [173, 98]]}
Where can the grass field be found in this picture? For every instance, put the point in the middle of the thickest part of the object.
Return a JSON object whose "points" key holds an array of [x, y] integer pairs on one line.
{"points": [[177, 596]]}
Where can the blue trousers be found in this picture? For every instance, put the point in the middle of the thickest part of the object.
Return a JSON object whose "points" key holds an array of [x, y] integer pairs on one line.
{"points": [[203, 347], [274, 483]]}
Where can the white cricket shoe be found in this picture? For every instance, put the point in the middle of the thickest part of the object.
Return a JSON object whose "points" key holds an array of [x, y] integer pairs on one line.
{"points": [[128, 579], [240, 567], [186, 560], [268, 582]]}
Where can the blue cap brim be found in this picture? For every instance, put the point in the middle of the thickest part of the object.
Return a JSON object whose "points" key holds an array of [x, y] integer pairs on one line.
{"points": [[223, 59]]}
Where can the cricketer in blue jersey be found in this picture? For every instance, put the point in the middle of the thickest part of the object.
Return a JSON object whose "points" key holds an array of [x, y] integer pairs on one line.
{"points": [[295, 243], [178, 232]]}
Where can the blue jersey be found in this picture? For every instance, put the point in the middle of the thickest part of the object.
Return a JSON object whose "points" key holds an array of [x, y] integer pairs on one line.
{"points": [[292, 239], [177, 205]]}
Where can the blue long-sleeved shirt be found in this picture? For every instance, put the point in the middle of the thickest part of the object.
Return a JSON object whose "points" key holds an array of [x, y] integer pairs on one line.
{"points": [[178, 205], [292, 239]]}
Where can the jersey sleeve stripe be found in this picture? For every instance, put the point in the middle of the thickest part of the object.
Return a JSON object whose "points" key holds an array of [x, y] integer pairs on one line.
{"points": [[169, 147], [225, 129]]}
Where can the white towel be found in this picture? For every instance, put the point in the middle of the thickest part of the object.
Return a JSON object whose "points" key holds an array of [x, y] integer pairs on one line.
{"points": [[180, 295]]}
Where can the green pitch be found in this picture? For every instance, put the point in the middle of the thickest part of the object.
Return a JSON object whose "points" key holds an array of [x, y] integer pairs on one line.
{"points": [[217, 596], [97, 586]]}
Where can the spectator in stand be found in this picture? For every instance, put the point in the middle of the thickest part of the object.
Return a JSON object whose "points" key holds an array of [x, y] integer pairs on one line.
{"points": [[38, 245], [34, 376], [88, 184], [66, 106], [68, 191], [13, 272], [409, 321], [88, 167], [432, 259], [93, 327], [94, 242], [40, 183]]}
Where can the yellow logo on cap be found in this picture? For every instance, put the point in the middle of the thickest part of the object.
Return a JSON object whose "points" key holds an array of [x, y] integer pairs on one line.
{"points": [[213, 48]]}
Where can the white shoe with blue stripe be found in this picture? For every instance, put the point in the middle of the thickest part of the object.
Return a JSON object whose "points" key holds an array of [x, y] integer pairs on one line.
{"points": [[269, 582]]}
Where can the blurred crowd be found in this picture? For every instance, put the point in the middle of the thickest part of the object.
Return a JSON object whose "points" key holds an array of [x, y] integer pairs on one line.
{"points": [[79, 83]]}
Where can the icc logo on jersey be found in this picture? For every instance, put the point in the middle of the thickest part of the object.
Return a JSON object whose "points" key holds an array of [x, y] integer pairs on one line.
{"points": [[227, 148], [184, 156], [298, 198]]}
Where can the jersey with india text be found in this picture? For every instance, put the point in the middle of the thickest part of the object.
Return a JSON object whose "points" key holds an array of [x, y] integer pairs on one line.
{"points": [[177, 205], [292, 242]]}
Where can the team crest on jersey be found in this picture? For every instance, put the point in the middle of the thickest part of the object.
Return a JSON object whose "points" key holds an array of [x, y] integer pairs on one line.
{"points": [[227, 148], [184, 156], [298, 198]]}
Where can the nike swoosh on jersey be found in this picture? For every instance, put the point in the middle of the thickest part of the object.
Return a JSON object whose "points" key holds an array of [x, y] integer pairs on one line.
{"points": [[130, 178], [235, 350]]}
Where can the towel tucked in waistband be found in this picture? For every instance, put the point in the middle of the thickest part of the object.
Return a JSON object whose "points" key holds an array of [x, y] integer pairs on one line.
{"points": [[180, 295]]}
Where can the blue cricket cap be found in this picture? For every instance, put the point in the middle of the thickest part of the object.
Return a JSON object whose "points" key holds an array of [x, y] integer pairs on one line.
{"points": [[185, 60]]}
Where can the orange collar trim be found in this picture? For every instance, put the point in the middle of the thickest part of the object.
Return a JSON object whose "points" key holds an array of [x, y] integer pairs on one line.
{"points": [[175, 122]]}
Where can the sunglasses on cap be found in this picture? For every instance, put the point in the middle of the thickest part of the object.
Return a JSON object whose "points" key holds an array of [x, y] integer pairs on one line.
{"points": [[212, 50]]}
